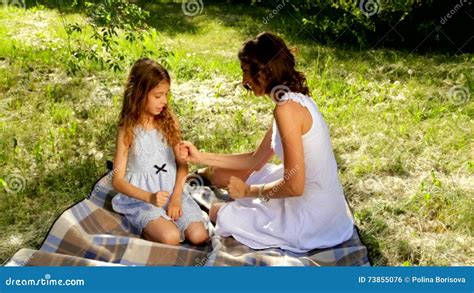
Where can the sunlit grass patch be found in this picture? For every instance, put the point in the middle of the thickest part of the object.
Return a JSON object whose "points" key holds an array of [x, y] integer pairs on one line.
{"points": [[401, 124]]}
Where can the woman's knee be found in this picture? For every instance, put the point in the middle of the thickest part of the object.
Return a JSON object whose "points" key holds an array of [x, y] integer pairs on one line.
{"points": [[214, 210], [216, 178]]}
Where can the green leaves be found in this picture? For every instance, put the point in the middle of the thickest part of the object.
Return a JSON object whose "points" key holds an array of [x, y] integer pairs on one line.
{"points": [[108, 21]]}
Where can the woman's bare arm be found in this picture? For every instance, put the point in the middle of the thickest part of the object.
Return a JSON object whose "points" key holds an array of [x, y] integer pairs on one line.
{"points": [[246, 161], [290, 124]]}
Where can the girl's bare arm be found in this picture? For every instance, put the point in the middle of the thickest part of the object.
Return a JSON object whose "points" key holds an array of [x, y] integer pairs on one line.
{"points": [[120, 164]]}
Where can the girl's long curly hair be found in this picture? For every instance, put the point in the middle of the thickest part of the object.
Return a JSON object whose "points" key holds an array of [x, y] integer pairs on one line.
{"points": [[145, 75], [270, 58]]}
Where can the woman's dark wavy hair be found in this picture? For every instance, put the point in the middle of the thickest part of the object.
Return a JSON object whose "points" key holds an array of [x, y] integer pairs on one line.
{"points": [[270, 58]]}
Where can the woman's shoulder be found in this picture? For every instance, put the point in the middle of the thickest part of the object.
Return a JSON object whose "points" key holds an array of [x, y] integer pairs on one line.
{"points": [[287, 111], [296, 97], [291, 100]]}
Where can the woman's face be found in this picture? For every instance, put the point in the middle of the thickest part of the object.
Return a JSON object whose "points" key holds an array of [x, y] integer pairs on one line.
{"points": [[248, 81]]}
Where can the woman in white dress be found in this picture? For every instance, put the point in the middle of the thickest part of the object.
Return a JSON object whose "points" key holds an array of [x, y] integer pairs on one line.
{"points": [[299, 205]]}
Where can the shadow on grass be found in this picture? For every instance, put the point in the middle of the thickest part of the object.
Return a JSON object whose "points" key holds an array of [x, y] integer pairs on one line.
{"points": [[369, 228], [376, 256]]}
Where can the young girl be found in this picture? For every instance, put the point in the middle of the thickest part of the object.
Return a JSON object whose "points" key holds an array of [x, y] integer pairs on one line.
{"points": [[298, 205], [148, 174]]}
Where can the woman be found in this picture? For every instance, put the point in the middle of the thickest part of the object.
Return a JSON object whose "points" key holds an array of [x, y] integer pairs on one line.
{"points": [[299, 205]]}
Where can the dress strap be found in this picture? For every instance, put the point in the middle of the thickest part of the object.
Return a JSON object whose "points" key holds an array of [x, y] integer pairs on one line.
{"points": [[295, 97]]}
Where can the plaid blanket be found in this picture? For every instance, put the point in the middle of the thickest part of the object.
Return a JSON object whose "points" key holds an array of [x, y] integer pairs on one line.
{"points": [[90, 233]]}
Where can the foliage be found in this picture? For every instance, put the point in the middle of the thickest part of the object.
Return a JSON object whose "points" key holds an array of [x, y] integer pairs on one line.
{"points": [[410, 24], [108, 19]]}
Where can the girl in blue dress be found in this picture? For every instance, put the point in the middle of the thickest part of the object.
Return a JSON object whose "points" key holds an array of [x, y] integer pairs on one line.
{"points": [[148, 174]]}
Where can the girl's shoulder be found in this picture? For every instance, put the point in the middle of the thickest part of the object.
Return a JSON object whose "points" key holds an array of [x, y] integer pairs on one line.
{"points": [[134, 132]]}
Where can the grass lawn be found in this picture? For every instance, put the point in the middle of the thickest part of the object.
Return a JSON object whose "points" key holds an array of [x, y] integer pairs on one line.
{"points": [[401, 123]]}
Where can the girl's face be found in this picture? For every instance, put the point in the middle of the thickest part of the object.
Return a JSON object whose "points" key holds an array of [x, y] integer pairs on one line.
{"points": [[248, 80], [157, 99]]}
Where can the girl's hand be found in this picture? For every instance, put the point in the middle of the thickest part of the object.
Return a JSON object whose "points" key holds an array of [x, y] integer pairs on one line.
{"points": [[174, 209], [189, 152], [160, 198], [237, 188]]}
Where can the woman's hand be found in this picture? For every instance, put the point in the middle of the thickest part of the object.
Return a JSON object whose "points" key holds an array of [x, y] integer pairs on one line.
{"points": [[237, 188], [189, 152], [160, 198], [174, 209]]}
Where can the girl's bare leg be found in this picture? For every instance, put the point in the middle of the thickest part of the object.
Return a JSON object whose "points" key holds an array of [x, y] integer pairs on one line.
{"points": [[196, 233], [163, 231]]}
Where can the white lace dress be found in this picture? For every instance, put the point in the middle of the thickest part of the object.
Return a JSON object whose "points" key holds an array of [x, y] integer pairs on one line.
{"points": [[317, 219]]}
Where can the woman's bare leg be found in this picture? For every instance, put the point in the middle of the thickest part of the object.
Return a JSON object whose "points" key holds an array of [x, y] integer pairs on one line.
{"points": [[214, 210], [220, 177]]}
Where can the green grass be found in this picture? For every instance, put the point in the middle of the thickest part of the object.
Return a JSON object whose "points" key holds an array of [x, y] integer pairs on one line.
{"points": [[403, 143]]}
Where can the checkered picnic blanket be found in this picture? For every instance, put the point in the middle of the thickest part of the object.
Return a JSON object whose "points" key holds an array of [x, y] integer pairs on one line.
{"points": [[90, 233]]}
